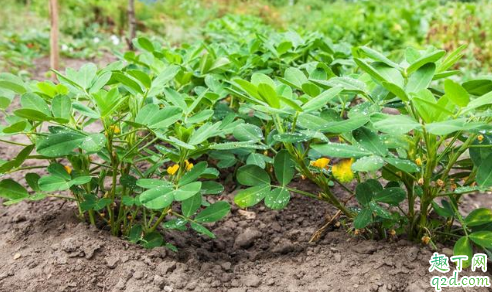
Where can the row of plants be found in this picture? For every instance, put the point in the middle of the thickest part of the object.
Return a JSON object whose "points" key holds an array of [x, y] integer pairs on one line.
{"points": [[140, 145]]}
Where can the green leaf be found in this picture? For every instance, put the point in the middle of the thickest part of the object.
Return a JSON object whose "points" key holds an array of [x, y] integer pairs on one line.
{"points": [[277, 199], [483, 100], [478, 87], [157, 198], [284, 167], [365, 192], [152, 240], [322, 99], [130, 84], [11, 190], [214, 212], [463, 247], [251, 196], [80, 180], [32, 115], [363, 219], [248, 132], [61, 107], [404, 165], [343, 126], [379, 211], [295, 77], [211, 188], [57, 169], [482, 238], [479, 154], [150, 183], [368, 163], [59, 144], [252, 175], [375, 55], [193, 174], [34, 102], [340, 150], [428, 58], [93, 143], [256, 159], [392, 196], [108, 101], [396, 124], [370, 141], [19, 159], [187, 191], [52, 183], [15, 128], [421, 79], [32, 180], [191, 205], [236, 145], [176, 98], [479, 217], [446, 127], [484, 173], [155, 118], [369, 70], [456, 93], [145, 44], [201, 229], [13, 83]]}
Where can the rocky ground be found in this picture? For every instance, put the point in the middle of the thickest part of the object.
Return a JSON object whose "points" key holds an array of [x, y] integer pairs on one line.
{"points": [[44, 247]]}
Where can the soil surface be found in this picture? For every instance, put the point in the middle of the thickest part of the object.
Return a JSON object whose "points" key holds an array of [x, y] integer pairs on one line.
{"points": [[44, 247]]}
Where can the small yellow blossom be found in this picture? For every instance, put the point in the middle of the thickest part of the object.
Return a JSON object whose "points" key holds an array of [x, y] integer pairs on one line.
{"points": [[115, 129], [480, 138], [172, 169], [68, 169], [343, 170], [303, 177], [421, 181], [228, 99], [321, 163], [418, 161], [426, 239], [189, 165], [356, 232], [440, 183], [392, 232]]}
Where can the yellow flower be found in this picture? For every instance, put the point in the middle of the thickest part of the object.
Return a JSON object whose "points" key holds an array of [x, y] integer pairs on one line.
{"points": [[440, 183], [321, 163], [343, 170], [68, 169], [172, 169], [115, 129], [418, 161], [480, 138], [426, 239], [189, 165]]}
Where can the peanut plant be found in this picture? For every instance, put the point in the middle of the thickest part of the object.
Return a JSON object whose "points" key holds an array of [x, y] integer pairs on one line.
{"points": [[140, 144]]}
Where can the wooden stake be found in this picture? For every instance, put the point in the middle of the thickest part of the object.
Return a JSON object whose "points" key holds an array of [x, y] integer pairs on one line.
{"points": [[54, 49], [132, 24]]}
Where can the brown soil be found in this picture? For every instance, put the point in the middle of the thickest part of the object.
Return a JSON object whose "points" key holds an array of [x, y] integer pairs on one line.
{"points": [[43, 247]]}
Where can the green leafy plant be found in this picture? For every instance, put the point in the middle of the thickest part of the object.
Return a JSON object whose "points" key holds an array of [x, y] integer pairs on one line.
{"points": [[106, 137]]}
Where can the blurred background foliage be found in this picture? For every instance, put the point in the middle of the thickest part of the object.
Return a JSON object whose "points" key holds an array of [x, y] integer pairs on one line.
{"points": [[92, 27]]}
